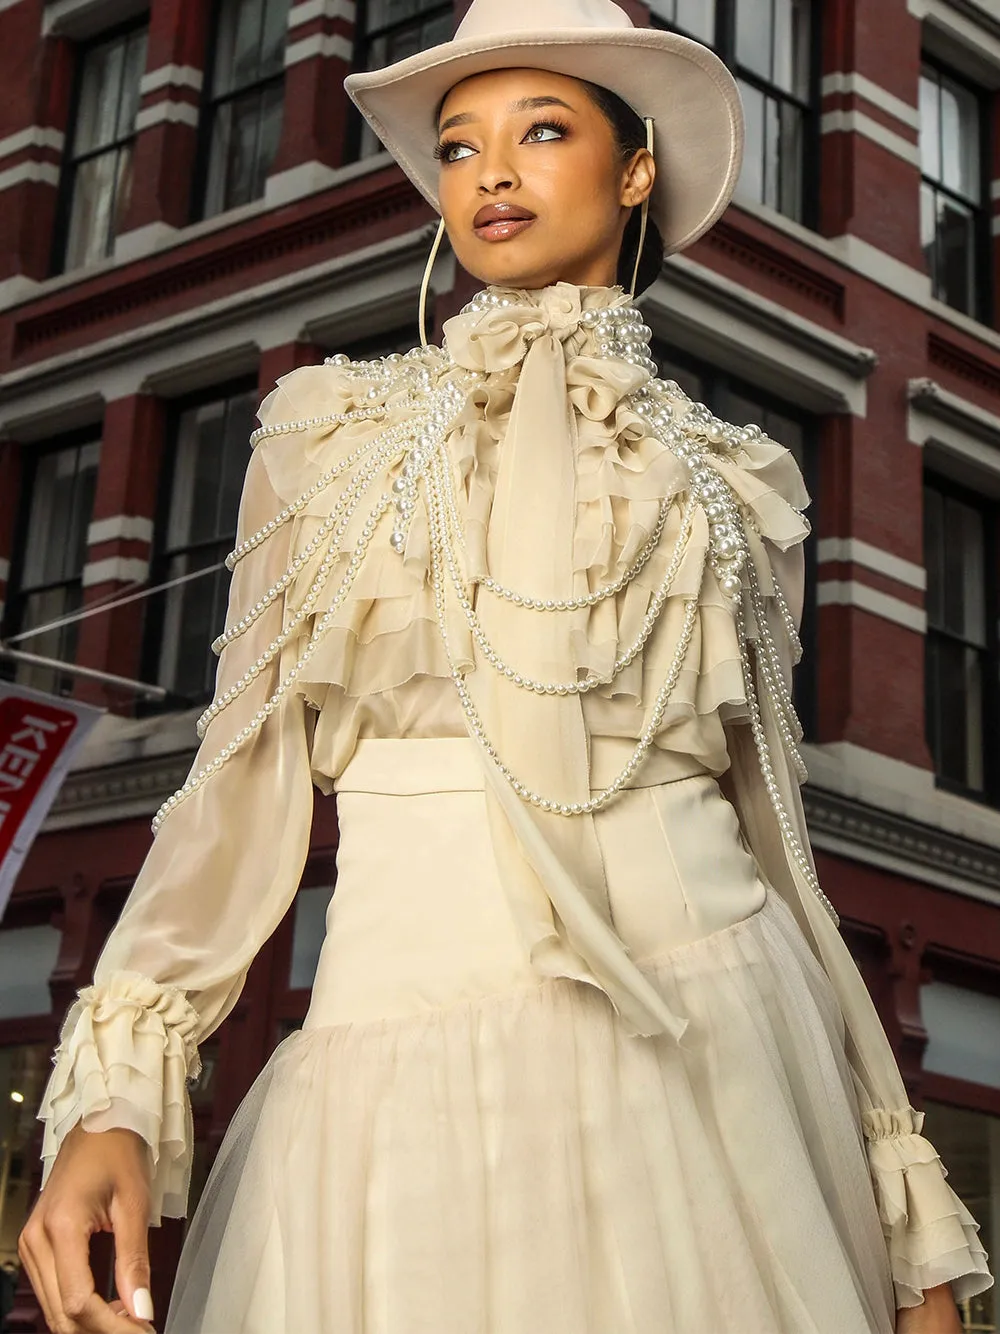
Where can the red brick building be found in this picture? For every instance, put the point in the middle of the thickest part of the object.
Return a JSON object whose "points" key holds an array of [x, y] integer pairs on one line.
{"points": [[189, 208]]}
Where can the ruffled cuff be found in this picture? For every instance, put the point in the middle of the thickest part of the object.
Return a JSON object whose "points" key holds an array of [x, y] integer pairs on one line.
{"points": [[931, 1236], [126, 1052]]}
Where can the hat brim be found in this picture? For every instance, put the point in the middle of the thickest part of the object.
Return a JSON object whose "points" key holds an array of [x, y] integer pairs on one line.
{"points": [[690, 94]]}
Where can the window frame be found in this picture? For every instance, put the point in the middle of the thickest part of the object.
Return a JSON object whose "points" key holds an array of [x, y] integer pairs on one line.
{"points": [[363, 42], [990, 512], [207, 112], [983, 304], [715, 381], [70, 164], [161, 555], [17, 595], [724, 47]]}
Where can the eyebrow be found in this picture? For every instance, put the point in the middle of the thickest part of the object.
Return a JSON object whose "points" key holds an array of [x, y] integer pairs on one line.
{"points": [[522, 104]]}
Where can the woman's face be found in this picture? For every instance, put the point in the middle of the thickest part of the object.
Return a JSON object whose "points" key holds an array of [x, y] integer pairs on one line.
{"points": [[532, 188]]}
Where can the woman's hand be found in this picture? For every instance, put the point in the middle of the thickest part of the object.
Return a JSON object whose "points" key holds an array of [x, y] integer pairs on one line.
{"points": [[937, 1315], [98, 1183]]}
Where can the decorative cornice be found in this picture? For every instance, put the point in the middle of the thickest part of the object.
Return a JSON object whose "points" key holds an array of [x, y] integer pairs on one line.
{"points": [[867, 827], [94, 796], [929, 397], [138, 787], [760, 257], [951, 357], [81, 313]]}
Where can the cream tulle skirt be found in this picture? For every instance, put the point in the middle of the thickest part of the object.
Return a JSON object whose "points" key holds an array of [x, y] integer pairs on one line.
{"points": [[453, 1145]]}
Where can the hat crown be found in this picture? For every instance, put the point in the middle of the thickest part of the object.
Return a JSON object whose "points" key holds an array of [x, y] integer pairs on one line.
{"points": [[489, 18]]}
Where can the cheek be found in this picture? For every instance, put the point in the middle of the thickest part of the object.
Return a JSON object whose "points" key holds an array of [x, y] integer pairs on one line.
{"points": [[577, 189]]}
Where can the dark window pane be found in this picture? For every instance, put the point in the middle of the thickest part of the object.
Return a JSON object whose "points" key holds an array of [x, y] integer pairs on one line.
{"points": [[955, 674], [696, 18], [955, 254], [690, 381], [100, 163], [960, 170], [210, 462], [133, 67], [930, 125], [100, 94], [393, 30], [751, 184], [792, 47], [755, 37], [952, 216], [61, 505], [934, 556], [791, 155], [961, 674], [193, 615], [247, 101]]}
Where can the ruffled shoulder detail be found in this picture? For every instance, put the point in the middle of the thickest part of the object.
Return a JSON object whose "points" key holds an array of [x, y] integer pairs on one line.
{"points": [[126, 1053], [931, 1236]]}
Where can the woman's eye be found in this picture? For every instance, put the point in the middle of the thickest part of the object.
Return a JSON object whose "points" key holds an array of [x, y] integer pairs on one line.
{"points": [[453, 152], [536, 133]]}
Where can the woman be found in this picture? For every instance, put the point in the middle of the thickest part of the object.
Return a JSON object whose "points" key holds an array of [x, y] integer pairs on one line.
{"points": [[585, 1051]]}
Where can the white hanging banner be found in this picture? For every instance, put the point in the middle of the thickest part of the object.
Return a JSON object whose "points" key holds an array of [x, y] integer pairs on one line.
{"points": [[39, 735]]}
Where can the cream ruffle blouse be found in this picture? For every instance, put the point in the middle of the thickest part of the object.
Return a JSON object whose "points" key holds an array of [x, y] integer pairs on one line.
{"points": [[400, 519]]}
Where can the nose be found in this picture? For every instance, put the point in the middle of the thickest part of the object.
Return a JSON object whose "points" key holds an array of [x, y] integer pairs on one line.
{"points": [[496, 172]]}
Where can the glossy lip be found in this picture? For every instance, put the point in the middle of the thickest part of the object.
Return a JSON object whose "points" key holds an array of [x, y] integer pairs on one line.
{"points": [[503, 212], [504, 229], [501, 221]]}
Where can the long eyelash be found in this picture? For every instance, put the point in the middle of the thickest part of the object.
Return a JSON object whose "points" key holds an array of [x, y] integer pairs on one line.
{"points": [[442, 146], [559, 125]]}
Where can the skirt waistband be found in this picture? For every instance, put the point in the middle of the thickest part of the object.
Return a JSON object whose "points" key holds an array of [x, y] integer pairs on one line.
{"points": [[392, 766]]}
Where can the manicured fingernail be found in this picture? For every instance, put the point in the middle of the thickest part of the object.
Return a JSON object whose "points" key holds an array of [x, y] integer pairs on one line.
{"points": [[142, 1304]]}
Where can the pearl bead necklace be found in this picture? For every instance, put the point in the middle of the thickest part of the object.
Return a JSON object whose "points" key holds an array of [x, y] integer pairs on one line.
{"points": [[592, 680], [785, 822], [474, 722], [557, 604], [688, 429]]}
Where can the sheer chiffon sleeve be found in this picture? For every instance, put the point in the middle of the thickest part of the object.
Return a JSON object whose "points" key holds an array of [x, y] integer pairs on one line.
{"points": [[222, 870], [931, 1237]]}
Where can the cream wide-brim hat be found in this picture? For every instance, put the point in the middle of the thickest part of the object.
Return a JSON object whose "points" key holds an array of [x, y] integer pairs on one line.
{"points": [[684, 87]]}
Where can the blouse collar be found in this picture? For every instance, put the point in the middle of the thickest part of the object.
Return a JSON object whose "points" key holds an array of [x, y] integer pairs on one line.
{"points": [[495, 329]]}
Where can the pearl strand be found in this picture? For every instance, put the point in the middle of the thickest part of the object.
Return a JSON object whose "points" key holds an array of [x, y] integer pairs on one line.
{"points": [[592, 680], [310, 423], [400, 432], [785, 822], [353, 494], [646, 738], [269, 707], [559, 604], [336, 519]]}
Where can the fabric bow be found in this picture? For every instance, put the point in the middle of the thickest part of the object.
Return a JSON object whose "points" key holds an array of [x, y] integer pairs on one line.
{"points": [[497, 336]]}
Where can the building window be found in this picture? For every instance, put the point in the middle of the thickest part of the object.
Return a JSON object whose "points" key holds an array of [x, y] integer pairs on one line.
{"points": [[740, 403], [770, 46], [962, 666], [48, 572], [245, 101], [209, 460], [390, 30], [97, 177], [954, 210]]}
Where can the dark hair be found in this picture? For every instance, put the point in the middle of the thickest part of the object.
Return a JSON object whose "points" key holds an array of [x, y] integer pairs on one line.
{"points": [[630, 135]]}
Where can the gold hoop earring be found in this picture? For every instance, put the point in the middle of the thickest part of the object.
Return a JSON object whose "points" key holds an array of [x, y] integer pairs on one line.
{"points": [[644, 212], [425, 283]]}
